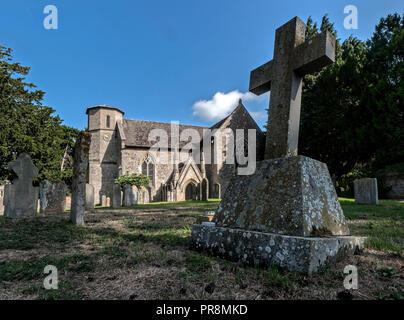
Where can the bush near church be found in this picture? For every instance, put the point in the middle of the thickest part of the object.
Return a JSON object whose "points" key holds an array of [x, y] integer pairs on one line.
{"points": [[135, 179]]}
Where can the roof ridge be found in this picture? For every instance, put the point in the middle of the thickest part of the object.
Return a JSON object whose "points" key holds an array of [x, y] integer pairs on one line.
{"points": [[159, 122]]}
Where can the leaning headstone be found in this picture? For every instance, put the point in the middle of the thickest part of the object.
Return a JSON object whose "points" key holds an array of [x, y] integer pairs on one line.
{"points": [[287, 213], [89, 197], [116, 196], [52, 197], [20, 197], [365, 191], [80, 165]]}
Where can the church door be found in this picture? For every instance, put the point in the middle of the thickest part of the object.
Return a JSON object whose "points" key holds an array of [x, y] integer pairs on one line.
{"points": [[190, 192]]}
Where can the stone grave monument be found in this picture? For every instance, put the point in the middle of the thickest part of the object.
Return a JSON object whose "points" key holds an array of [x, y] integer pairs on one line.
{"points": [[116, 196], [21, 197], [89, 197], [80, 165], [287, 213], [365, 191], [52, 197]]}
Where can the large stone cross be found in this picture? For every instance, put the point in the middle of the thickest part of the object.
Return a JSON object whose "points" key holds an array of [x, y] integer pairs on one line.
{"points": [[293, 58]]}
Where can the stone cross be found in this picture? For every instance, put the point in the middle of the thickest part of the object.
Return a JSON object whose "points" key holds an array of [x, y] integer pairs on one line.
{"points": [[293, 58], [21, 198]]}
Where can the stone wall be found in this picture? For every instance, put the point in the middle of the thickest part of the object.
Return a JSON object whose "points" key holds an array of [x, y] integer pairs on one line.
{"points": [[394, 184]]}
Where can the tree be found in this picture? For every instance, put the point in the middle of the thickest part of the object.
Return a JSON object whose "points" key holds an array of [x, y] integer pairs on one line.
{"points": [[135, 179], [330, 98], [352, 110], [384, 97], [28, 126]]}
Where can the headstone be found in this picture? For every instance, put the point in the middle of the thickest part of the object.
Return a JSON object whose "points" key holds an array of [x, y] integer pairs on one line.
{"points": [[1, 200], [205, 189], [287, 213], [134, 196], [103, 200], [89, 197], [130, 196], [80, 165], [20, 197], [108, 202], [116, 196], [365, 191], [127, 191], [52, 197], [143, 196]]}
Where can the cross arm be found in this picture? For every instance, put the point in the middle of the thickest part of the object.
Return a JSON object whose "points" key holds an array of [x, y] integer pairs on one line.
{"points": [[260, 79], [314, 54]]}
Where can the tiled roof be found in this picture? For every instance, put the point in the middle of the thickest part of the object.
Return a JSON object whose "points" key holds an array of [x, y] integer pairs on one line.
{"points": [[137, 132]]}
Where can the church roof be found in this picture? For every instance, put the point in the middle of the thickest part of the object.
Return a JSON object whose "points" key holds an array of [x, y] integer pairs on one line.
{"points": [[239, 109], [104, 106], [137, 132]]}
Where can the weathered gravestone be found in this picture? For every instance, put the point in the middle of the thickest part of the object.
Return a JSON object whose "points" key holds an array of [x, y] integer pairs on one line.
{"points": [[20, 197], [1, 200], [287, 213], [365, 191], [116, 196], [52, 197], [103, 200], [89, 197], [143, 196], [130, 196], [80, 165]]}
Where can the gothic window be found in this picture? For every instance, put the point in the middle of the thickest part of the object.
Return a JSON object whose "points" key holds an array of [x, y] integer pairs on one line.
{"points": [[108, 121], [148, 169]]}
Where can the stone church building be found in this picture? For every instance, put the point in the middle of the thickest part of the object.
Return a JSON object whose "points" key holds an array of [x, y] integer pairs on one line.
{"points": [[120, 146]]}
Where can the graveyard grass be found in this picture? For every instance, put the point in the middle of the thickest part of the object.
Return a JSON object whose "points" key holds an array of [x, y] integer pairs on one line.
{"points": [[143, 253]]}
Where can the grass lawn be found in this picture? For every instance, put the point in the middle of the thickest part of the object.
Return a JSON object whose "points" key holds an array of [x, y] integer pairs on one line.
{"points": [[142, 253]]}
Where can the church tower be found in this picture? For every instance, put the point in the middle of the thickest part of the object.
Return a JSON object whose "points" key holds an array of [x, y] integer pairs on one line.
{"points": [[105, 146]]}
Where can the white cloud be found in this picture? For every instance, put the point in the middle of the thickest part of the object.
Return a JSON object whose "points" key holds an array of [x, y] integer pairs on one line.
{"points": [[258, 115], [221, 105]]}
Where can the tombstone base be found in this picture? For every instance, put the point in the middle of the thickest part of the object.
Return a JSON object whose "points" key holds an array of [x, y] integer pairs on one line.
{"points": [[301, 254]]}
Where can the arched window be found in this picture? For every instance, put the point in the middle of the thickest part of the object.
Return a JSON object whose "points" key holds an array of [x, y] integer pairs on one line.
{"points": [[108, 121], [148, 169]]}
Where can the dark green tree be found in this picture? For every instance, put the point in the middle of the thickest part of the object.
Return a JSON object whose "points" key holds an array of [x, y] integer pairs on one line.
{"points": [[28, 126], [383, 97], [329, 97], [352, 111]]}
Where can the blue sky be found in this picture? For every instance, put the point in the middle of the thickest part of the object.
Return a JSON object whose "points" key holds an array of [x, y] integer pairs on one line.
{"points": [[156, 59]]}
